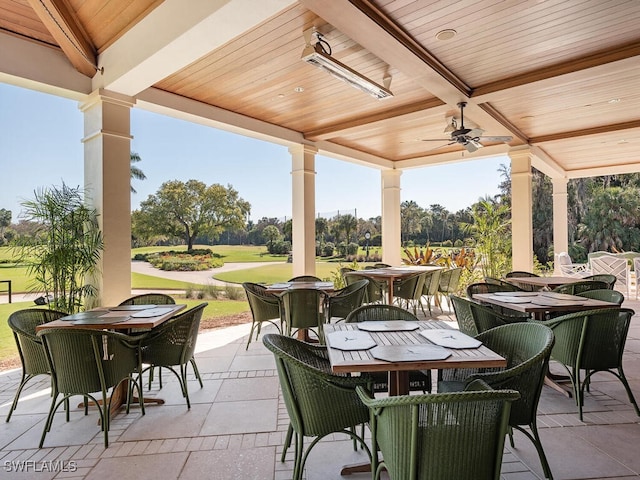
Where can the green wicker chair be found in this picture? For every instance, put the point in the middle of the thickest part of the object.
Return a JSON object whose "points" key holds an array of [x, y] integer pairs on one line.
{"points": [[522, 274], [342, 302], [408, 291], [264, 308], [150, 299], [490, 287], [606, 295], [449, 282], [527, 347], [474, 318], [33, 358], [172, 344], [443, 436], [305, 278], [430, 287], [592, 341], [156, 299], [85, 361], [582, 286], [417, 380], [319, 403], [302, 308], [609, 279], [375, 289]]}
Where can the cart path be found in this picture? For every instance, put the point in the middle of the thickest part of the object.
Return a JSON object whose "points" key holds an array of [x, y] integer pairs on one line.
{"points": [[204, 277]]}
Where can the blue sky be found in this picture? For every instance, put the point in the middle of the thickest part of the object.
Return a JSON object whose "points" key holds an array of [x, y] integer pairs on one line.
{"points": [[40, 145]]}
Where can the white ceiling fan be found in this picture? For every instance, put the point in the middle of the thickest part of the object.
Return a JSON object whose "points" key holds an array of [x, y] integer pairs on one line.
{"points": [[469, 138]]}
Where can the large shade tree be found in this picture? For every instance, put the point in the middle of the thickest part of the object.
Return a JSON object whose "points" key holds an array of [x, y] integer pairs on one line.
{"points": [[190, 209]]}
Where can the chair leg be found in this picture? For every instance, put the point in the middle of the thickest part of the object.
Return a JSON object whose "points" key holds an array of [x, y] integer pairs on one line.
{"points": [[287, 443], [535, 439], [23, 382], [196, 372]]}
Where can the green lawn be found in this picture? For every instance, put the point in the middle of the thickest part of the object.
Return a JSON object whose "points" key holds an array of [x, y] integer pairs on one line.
{"points": [[275, 273]]}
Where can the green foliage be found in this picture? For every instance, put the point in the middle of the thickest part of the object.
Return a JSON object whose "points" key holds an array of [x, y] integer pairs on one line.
{"points": [[189, 261], [328, 249], [490, 229], [63, 257], [190, 209]]}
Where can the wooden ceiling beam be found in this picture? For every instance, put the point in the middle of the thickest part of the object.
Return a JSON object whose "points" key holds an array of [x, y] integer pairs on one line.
{"points": [[65, 28], [616, 127], [364, 23], [371, 121], [559, 71]]}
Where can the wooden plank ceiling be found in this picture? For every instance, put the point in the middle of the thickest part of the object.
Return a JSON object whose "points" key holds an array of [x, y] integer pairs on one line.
{"points": [[559, 75]]}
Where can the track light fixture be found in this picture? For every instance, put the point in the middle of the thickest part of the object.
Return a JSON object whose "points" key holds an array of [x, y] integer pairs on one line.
{"points": [[319, 55]]}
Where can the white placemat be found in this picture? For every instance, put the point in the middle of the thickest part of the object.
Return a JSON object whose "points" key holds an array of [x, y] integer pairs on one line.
{"points": [[350, 340], [511, 299], [450, 338], [387, 326], [409, 353]]}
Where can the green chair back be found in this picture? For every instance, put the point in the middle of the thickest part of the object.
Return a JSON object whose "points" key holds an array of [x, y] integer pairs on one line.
{"points": [[576, 288], [33, 358], [474, 318], [606, 295], [430, 286], [264, 308], [149, 299], [440, 436], [375, 289], [301, 308], [172, 344], [449, 283], [85, 361], [318, 402], [344, 301], [408, 291], [490, 287], [589, 342], [609, 279], [305, 278]]}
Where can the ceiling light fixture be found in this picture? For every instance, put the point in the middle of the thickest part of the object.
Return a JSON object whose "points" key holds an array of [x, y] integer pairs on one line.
{"points": [[318, 56], [446, 34]]}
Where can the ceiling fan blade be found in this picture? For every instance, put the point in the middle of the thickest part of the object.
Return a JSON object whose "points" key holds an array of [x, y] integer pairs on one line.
{"points": [[441, 146], [472, 145], [496, 139], [436, 140], [475, 132]]}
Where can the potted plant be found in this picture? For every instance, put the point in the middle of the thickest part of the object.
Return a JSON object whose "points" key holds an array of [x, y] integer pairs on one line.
{"points": [[63, 255]]}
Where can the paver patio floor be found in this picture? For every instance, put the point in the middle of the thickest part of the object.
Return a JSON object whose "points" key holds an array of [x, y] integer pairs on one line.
{"points": [[236, 425]]}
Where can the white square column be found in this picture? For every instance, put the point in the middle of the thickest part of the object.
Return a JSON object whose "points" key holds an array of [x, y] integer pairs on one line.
{"points": [[560, 218], [521, 210], [303, 198], [391, 230], [107, 179]]}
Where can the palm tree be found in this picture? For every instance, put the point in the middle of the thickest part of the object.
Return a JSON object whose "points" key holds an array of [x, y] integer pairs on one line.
{"points": [[136, 173]]}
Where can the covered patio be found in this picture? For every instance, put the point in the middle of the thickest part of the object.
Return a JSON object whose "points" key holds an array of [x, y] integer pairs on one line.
{"points": [[551, 84], [237, 423]]}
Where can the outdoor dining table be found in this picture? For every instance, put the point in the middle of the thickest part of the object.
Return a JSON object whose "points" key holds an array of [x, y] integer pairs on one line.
{"points": [[363, 360], [541, 282], [123, 318], [538, 304], [392, 274], [363, 357]]}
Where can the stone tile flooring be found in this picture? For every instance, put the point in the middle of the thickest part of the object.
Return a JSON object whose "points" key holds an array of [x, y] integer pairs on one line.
{"points": [[236, 425]]}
